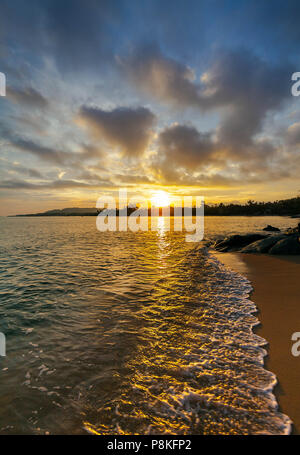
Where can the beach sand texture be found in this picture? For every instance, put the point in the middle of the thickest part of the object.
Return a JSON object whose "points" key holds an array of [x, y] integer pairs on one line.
{"points": [[276, 283]]}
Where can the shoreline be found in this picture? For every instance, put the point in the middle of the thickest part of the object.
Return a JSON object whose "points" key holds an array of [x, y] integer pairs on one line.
{"points": [[276, 290]]}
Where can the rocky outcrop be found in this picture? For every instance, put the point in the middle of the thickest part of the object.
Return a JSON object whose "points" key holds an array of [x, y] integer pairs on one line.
{"points": [[286, 243], [236, 242], [291, 231], [271, 228], [264, 245]]}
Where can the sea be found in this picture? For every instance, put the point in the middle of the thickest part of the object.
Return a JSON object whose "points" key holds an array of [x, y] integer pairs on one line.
{"points": [[129, 332]]}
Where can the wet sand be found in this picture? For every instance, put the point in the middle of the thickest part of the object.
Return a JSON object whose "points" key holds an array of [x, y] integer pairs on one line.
{"points": [[276, 283]]}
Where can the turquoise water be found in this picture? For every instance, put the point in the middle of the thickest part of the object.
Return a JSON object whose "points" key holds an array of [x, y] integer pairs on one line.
{"points": [[128, 333]]}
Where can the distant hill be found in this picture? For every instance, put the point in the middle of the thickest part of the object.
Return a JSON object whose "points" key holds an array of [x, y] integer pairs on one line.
{"points": [[73, 211], [285, 207]]}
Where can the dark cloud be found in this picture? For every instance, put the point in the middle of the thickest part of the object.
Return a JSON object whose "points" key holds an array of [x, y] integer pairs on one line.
{"points": [[161, 76], [186, 146], [187, 156], [56, 184], [30, 172], [129, 129], [182, 151], [249, 88], [91, 151], [19, 169], [242, 84], [52, 155], [45, 153], [27, 96], [16, 184]]}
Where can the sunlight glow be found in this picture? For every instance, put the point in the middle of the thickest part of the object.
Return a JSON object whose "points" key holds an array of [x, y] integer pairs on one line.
{"points": [[160, 199]]}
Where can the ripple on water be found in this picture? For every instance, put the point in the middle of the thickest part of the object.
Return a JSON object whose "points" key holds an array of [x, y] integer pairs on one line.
{"points": [[123, 333]]}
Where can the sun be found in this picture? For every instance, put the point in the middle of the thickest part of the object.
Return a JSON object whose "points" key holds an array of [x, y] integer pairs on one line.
{"points": [[160, 199]]}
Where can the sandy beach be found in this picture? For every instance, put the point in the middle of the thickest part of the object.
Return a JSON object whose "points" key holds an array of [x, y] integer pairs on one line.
{"points": [[276, 283]]}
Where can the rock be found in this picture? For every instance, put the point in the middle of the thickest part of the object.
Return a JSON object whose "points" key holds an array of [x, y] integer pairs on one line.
{"points": [[264, 245], [236, 242], [291, 231], [271, 228], [289, 245]]}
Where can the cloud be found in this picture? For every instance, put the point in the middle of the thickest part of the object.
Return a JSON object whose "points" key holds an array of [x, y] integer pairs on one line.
{"points": [[186, 146], [51, 44], [45, 153], [79, 38], [16, 168], [34, 173], [186, 156], [16, 184], [161, 76], [249, 88], [243, 87], [132, 179], [27, 96], [129, 129], [51, 154], [293, 134], [56, 184]]}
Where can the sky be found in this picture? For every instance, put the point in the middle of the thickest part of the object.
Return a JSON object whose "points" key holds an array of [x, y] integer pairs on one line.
{"points": [[190, 97]]}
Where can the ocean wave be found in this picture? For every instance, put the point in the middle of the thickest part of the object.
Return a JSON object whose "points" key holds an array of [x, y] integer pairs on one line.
{"points": [[214, 381], [117, 333]]}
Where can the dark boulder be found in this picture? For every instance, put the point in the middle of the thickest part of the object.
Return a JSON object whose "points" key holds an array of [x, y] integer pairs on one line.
{"points": [[291, 231], [264, 245], [236, 242], [271, 228], [289, 245]]}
